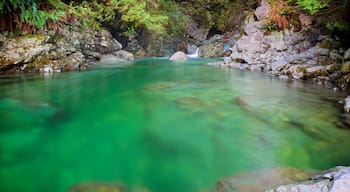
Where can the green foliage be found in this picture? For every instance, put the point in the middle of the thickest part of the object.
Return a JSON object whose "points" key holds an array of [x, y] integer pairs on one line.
{"points": [[38, 18], [27, 14], [313, 6]]}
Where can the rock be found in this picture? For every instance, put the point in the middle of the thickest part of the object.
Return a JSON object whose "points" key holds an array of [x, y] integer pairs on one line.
{"points": [[178, 56], [347, 55], [314, 71], [279, 65], [262, 12], [261, 180], [124, 55], [106, 43], [334, 180], [212, 50], [196, 32], [305, 20], [347, 104], [23, 50], [141, 53], [345, 68], [98, 187], [191, 49]]}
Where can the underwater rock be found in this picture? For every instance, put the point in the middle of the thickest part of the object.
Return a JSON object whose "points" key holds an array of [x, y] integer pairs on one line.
{"points": [[336, 180], [257, 181], [159, 85], [98, 187], [189, 101]]}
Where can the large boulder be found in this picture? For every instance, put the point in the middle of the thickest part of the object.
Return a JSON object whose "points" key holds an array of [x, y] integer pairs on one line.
{"points": [[178, 56]]}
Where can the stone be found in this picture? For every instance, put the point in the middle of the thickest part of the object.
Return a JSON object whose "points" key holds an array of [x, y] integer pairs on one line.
{"points": [[124, 55], [261, 180], [196, 32], [279, 65], [334, 180], [347, 104], [178, 56], [347, 55], [305, 20], [262, 12], [345, 68], [215, 49], [98, 187]]}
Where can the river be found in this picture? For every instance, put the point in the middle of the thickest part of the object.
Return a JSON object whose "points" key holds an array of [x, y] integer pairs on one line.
{"points": [[162, 126]]}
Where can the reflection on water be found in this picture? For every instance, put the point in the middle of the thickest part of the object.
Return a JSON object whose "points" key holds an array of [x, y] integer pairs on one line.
{"points": [[161, 126]]}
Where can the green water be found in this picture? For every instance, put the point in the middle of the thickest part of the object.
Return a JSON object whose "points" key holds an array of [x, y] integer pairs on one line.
{"points": [[161, 126]]}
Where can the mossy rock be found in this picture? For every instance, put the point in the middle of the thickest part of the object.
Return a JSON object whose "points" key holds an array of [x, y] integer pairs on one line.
{"points": [[345, 68]]}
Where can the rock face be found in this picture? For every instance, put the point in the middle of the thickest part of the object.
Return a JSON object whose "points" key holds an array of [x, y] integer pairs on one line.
{"points": [[70, 50], [335, 180], [307, 54]]}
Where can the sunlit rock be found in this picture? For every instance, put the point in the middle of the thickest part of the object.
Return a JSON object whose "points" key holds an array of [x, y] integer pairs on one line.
{"points": [[347, 104], [257, 181], [178, 56], [336, 180]]}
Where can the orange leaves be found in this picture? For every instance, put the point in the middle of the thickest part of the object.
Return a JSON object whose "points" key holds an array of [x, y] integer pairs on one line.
{"points": [[280, 14]]}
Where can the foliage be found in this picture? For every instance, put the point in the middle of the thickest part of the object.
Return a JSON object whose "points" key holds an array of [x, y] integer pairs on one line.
{"points": [[31, 15], [281, 15], [313, 6]]}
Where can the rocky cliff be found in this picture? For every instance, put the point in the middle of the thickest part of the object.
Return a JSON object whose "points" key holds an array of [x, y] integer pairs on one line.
{"points": [[308, 53], [72, 48]]}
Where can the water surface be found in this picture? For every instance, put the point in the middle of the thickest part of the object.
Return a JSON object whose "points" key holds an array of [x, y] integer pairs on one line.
{"points": [[161, 126]]}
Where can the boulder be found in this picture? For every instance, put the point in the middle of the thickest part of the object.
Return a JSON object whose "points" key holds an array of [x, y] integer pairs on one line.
{"points": [[335, 180], [215, 49], [178, 56], [124, 55], [347, 104], [261, 180]]}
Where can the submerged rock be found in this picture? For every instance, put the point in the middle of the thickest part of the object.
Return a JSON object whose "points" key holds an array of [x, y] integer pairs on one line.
{"points": [[178, 56], [98, 187]]}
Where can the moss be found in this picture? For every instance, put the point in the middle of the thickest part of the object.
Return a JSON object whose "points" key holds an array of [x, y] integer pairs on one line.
{"points": [[345, 68], [301, 69]]}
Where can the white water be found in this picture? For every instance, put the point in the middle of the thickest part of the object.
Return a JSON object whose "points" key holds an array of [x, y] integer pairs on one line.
{"points": [[194, 55]]}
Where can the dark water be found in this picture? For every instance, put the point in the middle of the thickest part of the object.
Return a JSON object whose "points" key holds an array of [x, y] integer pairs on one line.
{"points": [[161, 126]]}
